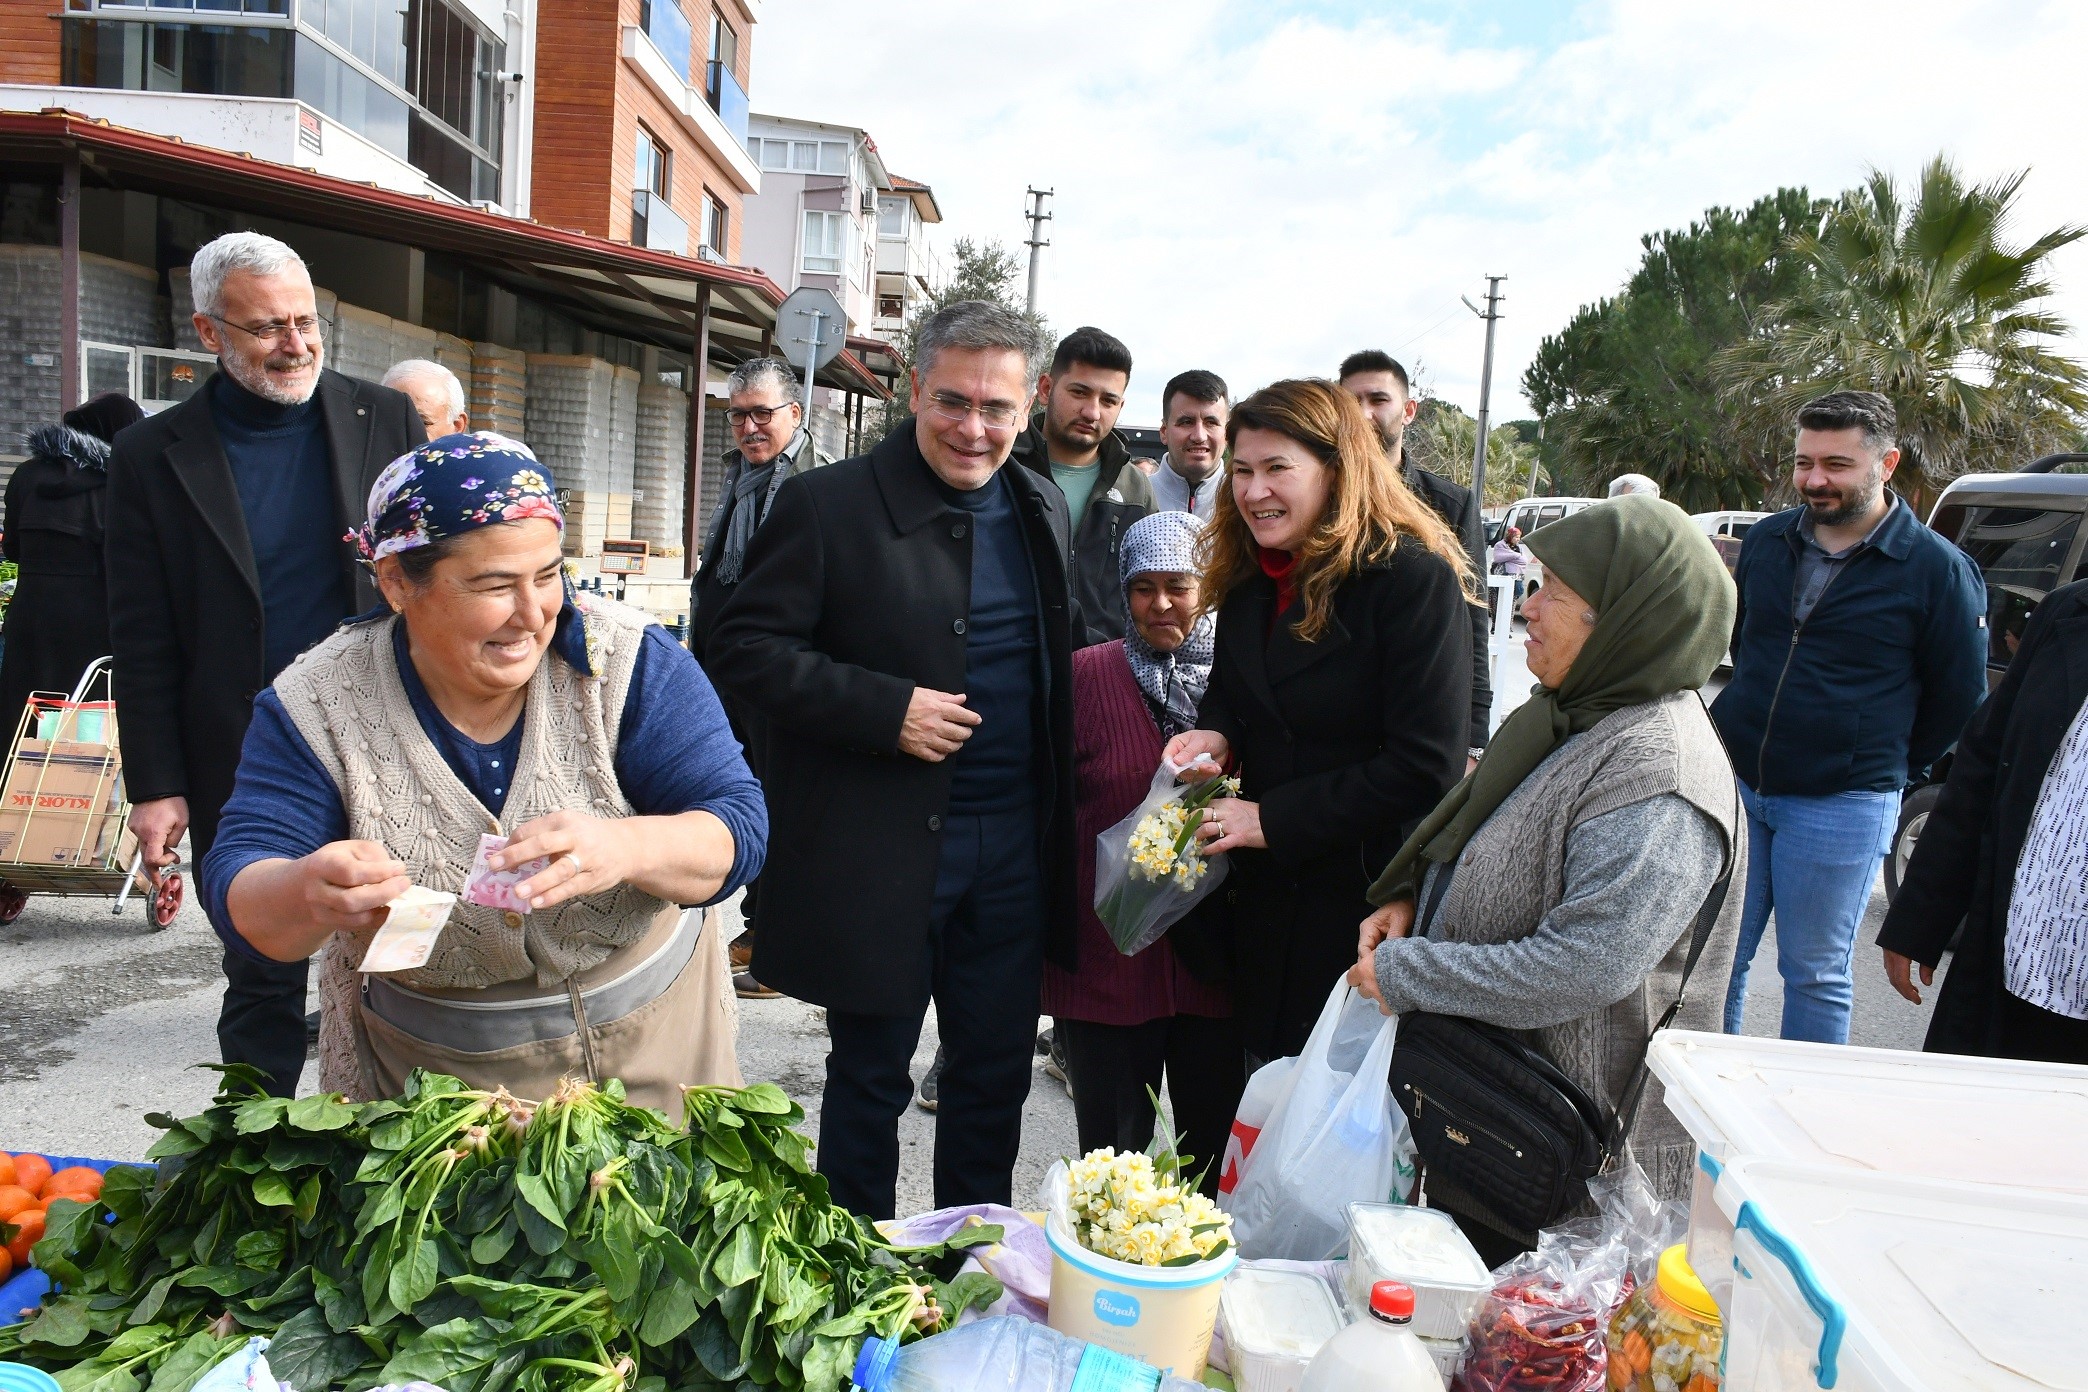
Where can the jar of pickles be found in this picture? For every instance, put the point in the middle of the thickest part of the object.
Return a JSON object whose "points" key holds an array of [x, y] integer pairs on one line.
{"points": [[1667, 1337]]}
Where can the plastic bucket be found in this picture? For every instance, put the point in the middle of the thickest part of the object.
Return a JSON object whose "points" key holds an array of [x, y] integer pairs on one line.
{"points": [[1162, 1315], [20, 1377]]}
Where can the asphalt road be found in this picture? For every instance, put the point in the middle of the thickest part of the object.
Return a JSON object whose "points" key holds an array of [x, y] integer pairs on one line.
{"points": [[103, 1019]]}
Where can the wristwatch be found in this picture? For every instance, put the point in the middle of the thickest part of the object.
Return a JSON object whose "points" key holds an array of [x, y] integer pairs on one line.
{"points": [[1476, 753]]}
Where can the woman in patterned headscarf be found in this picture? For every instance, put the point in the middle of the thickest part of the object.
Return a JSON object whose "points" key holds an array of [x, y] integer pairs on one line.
{"points": [[1125, 1022], [490, 699]]}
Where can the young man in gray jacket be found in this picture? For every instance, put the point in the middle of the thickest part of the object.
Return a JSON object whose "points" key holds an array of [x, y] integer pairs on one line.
{"points": [[1072, 440]]}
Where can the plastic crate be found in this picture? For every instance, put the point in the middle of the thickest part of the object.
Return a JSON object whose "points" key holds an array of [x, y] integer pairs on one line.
{"points": [[22, 1292]]}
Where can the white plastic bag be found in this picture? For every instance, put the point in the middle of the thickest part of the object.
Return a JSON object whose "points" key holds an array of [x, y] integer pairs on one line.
{"points": [[1335, 1137], [1136, 902]]}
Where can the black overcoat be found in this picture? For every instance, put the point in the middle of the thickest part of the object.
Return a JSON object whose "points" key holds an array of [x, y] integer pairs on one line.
{"points": [[58, 620], [1964, 866], [854, 592], [1346, 743], [184, 598]]}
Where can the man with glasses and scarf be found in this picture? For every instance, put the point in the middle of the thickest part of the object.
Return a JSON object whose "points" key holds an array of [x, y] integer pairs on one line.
{"points": [[904, 629], [765, 410], [227, 519]]}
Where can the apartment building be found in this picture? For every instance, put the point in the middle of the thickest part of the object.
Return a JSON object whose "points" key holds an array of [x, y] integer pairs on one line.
{"points": [[418, 96], [909, 269], [641, 122]]}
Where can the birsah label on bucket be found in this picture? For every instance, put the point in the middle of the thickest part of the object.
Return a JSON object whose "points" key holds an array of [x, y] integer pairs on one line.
{"points": [[410, 929], [495, 889]]}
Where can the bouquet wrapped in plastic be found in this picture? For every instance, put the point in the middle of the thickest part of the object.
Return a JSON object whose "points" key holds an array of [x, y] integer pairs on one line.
{"points": [[1149, 869]]}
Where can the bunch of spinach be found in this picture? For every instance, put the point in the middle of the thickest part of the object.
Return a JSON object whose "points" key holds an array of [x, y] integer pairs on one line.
{"points": [[482, 1243]]}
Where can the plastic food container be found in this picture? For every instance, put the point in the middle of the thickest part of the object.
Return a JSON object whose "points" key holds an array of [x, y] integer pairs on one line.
{"points": [[1275, 1321], [1424, 1249], [1877, 1283], [1943, 1116], [1448, 1355], [1667, 1337], [1163, 1315]]}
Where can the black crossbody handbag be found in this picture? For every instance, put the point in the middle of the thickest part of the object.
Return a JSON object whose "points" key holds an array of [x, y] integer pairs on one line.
{"points": [[1502, 1133]]}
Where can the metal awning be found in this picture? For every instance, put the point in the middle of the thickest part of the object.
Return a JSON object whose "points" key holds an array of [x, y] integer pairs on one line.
{"points": [[653, 297]]}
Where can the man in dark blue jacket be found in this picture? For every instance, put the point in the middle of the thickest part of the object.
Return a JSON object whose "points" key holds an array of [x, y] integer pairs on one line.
{"points": [[1858, 655]]}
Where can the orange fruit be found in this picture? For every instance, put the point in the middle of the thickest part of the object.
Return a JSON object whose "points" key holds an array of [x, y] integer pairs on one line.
{"points": [[74, 1182], [31, 1171], [29, 1230], [14, 1199], [7, 1174], [6, 1265]]}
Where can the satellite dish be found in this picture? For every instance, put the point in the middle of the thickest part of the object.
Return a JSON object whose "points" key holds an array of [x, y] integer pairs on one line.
{"points": [[811, 328]]}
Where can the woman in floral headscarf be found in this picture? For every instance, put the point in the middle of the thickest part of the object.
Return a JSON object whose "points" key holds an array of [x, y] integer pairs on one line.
{"points": [[1127, 1021], [491, 700]]}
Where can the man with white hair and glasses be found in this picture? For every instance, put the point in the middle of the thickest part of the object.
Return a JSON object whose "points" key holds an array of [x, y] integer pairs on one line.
{"points": [[226, 523], [437, 396]]}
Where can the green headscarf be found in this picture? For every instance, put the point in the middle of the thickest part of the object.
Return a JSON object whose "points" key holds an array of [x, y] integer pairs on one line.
{"points": [[1664, 608]]}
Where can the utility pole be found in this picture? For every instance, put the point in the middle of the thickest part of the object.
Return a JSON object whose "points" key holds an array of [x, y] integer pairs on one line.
{"points": [[1491, 314], [1036, 217]]}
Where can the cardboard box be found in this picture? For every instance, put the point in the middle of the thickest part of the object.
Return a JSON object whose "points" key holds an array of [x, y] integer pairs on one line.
{"points": [[62, 807]]}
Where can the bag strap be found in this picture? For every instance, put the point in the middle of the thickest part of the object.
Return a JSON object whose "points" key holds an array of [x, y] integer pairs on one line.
{"points": [[1699, 937]]}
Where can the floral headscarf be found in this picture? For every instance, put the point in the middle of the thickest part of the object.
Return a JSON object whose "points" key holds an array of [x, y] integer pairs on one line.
{"points": [[1165, 542], [457, 484]]}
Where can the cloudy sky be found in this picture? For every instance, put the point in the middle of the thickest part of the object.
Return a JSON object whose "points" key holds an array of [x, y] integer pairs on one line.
{"points": [[1258, 188]]}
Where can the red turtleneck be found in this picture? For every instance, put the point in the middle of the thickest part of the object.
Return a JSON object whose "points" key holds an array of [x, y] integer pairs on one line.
{"points": [[1279, 566]]}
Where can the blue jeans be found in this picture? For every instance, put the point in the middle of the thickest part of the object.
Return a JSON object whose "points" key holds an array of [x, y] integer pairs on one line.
{"points": [[1813, 861]]}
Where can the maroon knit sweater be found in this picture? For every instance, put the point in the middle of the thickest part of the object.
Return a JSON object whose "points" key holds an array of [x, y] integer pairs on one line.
{"points": [[1116, 750]]}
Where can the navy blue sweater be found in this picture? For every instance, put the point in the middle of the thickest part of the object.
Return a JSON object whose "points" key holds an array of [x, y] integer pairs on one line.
{"points": [[285, 480], [1002, 647], [1877, 681]]}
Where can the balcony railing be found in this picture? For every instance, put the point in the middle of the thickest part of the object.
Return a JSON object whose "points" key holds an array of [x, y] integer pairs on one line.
{"points": [[728, 99], [668, 28], [656, 226]]}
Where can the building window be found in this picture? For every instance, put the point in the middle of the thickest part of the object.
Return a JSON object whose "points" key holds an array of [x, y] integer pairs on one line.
{"points": [[717, 224], [247, 61], [724, 43], [891, 306], [824, 234], [652, 167], [891, 216], [668, 28], [800, 156]]}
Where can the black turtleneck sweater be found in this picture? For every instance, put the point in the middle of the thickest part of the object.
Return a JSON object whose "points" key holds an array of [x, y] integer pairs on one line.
{"points": [[285, 480]]}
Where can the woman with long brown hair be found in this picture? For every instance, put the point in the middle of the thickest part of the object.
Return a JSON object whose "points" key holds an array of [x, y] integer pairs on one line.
{"points": [[1340, 691]]}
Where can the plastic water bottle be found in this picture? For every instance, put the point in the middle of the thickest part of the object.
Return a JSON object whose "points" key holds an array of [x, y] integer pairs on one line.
{"points": [[1007, 1355], [1379, 1353]]}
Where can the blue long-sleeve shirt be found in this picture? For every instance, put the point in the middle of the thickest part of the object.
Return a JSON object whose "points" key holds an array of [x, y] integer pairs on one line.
{"points": [[675, 753]]}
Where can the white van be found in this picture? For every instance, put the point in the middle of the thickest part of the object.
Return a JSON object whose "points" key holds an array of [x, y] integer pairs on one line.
{"points": [[1526, 515]]}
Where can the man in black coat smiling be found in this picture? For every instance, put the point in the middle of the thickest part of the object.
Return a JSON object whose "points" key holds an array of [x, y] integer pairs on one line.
{"points": [[903, 625]]}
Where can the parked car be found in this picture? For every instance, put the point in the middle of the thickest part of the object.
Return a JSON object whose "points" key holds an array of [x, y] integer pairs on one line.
{"points": [[2026, 533]]}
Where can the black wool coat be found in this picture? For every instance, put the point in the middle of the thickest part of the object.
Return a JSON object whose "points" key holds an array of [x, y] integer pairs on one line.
{"points": [[1965, 864], [184, 598], [58, 620], [1346, 743], [854, 592]]}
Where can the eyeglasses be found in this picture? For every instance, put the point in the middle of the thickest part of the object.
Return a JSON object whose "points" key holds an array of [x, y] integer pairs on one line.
{"points": [[277, 333], [956, 408], [760, 415]]}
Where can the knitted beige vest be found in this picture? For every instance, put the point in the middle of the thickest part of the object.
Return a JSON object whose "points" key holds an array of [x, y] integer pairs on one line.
{"points": [[346, 699], [1513, 872]]}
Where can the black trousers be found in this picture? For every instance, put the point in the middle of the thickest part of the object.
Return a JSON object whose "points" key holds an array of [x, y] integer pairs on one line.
{"points": [[985, 968], [2035, 1033], [262, 1020], [1117, 1070]]}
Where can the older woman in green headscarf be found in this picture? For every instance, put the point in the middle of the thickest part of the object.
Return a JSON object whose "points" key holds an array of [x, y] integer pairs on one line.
{"points": [[1556, 886]]}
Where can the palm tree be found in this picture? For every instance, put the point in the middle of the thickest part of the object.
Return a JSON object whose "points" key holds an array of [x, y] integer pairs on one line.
{"points": [[1443, 438], [1927, 303]]}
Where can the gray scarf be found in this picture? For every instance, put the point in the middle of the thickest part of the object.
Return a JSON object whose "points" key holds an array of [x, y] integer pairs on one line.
{"points": [[739, 514], [1165, 543]]}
